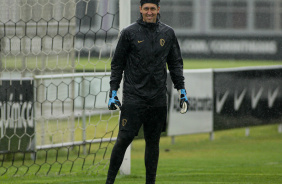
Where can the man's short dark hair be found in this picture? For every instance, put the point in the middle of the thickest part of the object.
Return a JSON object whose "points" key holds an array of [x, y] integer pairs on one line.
{"points": [[157, 2]]}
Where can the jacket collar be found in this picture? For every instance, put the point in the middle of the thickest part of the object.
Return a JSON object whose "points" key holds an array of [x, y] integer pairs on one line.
{"points": [[148, 25]]}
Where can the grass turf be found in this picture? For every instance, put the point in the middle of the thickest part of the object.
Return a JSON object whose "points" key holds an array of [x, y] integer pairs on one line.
{"points": [[194, 159], [105, 65], [230, 158]]}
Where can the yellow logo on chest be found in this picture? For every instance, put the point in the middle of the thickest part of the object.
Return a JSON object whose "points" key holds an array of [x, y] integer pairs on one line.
{"points": [[124, 121], [162, 42]]}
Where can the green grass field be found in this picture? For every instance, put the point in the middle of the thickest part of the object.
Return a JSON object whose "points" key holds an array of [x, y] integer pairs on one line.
{"points": [[194, 159], [104, 65], [231, 158]]}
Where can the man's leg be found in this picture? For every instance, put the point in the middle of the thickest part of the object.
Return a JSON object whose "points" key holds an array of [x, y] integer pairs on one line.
{"points": [[129, 126], [123, 140], [152, 132]]}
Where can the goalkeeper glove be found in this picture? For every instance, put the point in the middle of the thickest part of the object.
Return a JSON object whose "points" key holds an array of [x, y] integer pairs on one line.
{"points": [[184, 103], [114, 102]]}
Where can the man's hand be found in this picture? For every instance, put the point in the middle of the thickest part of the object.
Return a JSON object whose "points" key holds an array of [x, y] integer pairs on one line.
{"points": [[184, 103], [114, 102]]}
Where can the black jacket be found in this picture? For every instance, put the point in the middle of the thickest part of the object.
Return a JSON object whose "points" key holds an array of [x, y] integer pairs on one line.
{"points": [[142, 52]]}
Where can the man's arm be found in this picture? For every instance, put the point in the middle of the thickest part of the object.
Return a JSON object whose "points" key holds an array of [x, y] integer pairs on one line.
{"points": [[175, 66], [119, 60], [117, 67]]}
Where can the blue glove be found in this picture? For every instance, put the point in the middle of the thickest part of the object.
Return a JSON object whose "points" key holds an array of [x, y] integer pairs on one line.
{"points": [[184, 103], [114, 102]]}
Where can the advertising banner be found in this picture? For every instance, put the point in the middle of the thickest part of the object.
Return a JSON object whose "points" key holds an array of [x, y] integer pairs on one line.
{"points": [[208, 46], [17, 130], [235, 47], [199, 118], [247, 97]]}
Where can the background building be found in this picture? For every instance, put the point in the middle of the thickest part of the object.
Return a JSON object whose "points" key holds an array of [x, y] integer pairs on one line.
{"points": [[239, 29]]}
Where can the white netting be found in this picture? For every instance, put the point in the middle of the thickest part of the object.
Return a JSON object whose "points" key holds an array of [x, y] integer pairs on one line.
{"points": [[43, 46]]}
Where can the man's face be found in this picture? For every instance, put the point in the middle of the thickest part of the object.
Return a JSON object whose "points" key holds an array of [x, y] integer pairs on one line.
{"points": [[149, 12]]}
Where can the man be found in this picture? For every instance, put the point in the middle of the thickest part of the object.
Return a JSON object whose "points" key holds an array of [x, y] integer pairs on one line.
{"points": [[142, 53]]}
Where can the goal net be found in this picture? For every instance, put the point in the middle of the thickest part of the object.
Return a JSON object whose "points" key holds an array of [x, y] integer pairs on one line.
{"points": [[54, 81]]}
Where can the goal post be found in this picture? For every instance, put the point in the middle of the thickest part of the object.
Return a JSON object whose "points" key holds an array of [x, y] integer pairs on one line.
{"points": [[64, 48], [125, 15]]}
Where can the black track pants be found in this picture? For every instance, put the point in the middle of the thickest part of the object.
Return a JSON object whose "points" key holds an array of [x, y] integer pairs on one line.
{"points": [[132, 117]]}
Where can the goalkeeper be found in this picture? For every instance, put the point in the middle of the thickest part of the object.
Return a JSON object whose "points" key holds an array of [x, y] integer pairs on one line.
{"points": [[142, 53]]}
